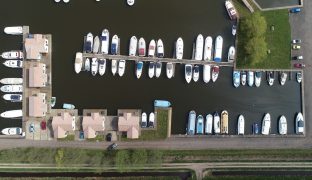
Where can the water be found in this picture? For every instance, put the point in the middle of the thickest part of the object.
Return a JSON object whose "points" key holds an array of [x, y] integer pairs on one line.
{"points": [[168, 20], [277, 3]]}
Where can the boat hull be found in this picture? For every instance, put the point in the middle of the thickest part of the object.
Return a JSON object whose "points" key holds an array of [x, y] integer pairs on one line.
{"points": [[12, 114]]}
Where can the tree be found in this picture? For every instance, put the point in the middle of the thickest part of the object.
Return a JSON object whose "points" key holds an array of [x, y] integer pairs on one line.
{"points": [[254, 25], [122, 160], [139, 157], [256, 50]]}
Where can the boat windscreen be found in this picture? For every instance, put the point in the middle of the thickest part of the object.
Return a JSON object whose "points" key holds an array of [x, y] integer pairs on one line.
{"points": [[140, 65], [103, 38], [300, 123]]}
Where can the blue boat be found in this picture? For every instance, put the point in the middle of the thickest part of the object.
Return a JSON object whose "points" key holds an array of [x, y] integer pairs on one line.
{"points": [[68, 106], [191, 123], [114, 49], [200, 125], [236, 78], [162, 103]]}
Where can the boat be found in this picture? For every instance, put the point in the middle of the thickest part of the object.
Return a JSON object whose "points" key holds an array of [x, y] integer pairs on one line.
{"points": [[12, 131], [299, 77], [162, 103], [139, 69], [250, 78], [12, 114], [208, 124], [89, 43], [282, 125], [142, 47], [299, 123], [53, 101], [234, 30], [121, 67], [151, 48], [243, 77], [231, 54], [179, 48], [266, 124], [270, 77], [94, 66], [199, 47], [105, 41], [169, 70], [224, 122], [188, 72], [12, 88], [241, 125], [11, 81], [144, 120], [231, 10], [191, 123], [160, 49], [151, 69], [200, 125], [158, 69], [208, 48], [218, 49], [102, 66], [236, 78], [115, 44], [14, 30], [195, 73], [68, 106], [283, 78], [216, 123], [13, 97], [207, 73], [258, 76], [13, 63], [114, 66], [78, 62], [12, 55], [130, 2], [87, 65], [96, 45], [215, 73], [133, 46], [151, 119]]}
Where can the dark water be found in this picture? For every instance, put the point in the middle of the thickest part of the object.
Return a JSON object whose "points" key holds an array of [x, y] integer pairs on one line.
{"points": [[151, 19], [277, 3], [262, 173]]}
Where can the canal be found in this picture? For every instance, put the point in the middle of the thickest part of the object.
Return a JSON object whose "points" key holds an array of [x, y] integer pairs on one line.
{"points": [[168, 20]]}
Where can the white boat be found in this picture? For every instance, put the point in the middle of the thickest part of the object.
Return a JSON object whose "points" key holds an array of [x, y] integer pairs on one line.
{"points": [[12, 131], [207, 73], [270, 78], [142, 47], [68, 106], [158, 69], [78, 62], [89, 43], [12, 114], [234, 30], [133, 46], [231, 10], [121, 67], [195, 73], [139, 69], [144, 120], [208, 48], [266, 124], [13, 97], [114, 66], [11, 81], [258, 76], [218, 49], [96, 45], [208, 125], [188, 72], [87, 65], [160, 49], [12, 55], [14, 30], [215, 73], [299, 77], [231, 54], [94, 66], [282, 125], [151, 48], [243, 78], [151, 69], [283, 78], [236, 78], [199, 47], [13, 63], [179, 48], [151, 119], [191, 123], [299, 123], [115, 45], [169, 70], [130, 2], [216, 123], [241, 125], [250, 78], [12, 88], [102, 66], [105, 41]]}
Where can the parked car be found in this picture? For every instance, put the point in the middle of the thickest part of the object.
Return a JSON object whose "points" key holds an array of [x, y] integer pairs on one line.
{"points": [[81, 135], [296, 41], [255, 128], [295, 10], [112, 147], [298, 58], [296, 47], [43, 125], [299, 65], [32, 127], [109, 137]]}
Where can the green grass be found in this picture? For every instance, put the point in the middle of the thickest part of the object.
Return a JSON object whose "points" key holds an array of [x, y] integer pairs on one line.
{"points": [[256, 178], [97, 138], [69, 137]]}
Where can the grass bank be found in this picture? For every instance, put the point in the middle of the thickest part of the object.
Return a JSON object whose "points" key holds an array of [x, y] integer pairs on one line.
{"points": [[256, 177]]}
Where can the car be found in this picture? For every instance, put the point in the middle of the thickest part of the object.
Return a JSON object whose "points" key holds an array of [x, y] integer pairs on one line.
{"points": [[299, 65], [32, 127], [296, 47], [112, 147], [81, 135], [43, 125], [296, 41], [255, 128], [109, 137], [298, 58], [295, 10]]}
